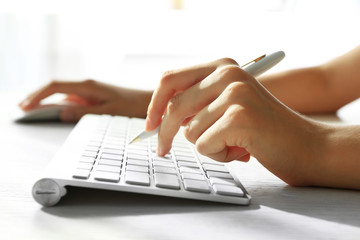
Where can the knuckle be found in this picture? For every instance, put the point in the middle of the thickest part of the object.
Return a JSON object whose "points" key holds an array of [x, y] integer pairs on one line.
{"points": [[167, 76], [173, 105], [227, 61], [240, 92], [54, 84], [201, 147], [233, 71], [234, 90], [234, 114], [188, 133], [89, 82]]}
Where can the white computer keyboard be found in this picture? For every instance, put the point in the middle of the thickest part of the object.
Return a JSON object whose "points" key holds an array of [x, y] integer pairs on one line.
{"points": [[97, 155]]}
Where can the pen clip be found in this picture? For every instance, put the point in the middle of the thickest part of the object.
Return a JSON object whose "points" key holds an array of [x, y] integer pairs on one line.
{"points": [[254, 61]]}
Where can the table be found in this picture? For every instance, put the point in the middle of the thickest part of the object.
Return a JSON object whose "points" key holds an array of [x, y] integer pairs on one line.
{"points": [[277, 210]]}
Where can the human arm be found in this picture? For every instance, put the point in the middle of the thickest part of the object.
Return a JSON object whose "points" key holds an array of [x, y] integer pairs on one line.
{"points": [[229, 115], [92, 97], [319, 89]]}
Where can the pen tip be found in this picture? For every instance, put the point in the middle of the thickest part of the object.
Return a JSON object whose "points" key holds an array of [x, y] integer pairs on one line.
{"points": [[136, 139]]}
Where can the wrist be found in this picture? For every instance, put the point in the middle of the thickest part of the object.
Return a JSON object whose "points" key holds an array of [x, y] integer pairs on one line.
{"points": [[142, 102], [339, 165], [310, 153]]}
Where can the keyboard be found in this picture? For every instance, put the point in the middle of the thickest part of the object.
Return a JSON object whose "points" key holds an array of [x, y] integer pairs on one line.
{"points": [[97, 155]]}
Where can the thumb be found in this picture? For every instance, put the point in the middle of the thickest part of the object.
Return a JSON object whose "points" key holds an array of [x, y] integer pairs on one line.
{"points": [[74, 113]]}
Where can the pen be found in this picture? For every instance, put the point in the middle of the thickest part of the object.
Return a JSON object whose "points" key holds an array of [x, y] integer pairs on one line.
{"points": [[255, 67]]}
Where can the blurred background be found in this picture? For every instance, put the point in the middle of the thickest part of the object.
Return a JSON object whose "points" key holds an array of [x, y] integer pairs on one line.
{"points": [[132, 42]]}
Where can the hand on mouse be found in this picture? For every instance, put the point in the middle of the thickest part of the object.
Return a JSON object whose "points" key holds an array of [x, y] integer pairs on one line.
{"points": [[229, 115], [90, 96]]}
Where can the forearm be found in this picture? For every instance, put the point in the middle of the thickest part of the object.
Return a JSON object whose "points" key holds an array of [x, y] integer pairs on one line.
{"points": [[320, 89], [139, 104], [304, 90]]}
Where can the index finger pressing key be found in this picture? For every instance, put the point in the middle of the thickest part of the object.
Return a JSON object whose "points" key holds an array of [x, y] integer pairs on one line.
{"points": [[172, 83]]}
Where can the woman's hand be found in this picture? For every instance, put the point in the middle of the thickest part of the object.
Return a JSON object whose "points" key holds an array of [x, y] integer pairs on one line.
{"points": [[229, 115], [92, 97]]}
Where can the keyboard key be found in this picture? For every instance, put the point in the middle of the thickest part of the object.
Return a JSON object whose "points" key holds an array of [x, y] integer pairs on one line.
{"points": [[196, 186], [228, 190], [113, 146], [84, 165], [163, 180], [113, 151], [163, 164], [186, 158], [137, 178], [137, 162], [110, 162], [188, 164], [190, 170], [89, 154], [87, 159], [224, 181], [216, 168], [192, 176], [210, 161], [92, 149], [138, 151], [115, 142], [137, 168], [111, 156], [81, 173], [161, 169], [178, 148], [184, 154], [219, 175], [140, 145], [107, 176], [136, 147], [164, 159], [94, 143], [180, 143], [153, 151], [114, 138], [108, 168], [138, 156]]}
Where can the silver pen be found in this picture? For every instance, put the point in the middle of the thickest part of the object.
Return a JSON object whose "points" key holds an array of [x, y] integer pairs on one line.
{"points": [[255, 67]]}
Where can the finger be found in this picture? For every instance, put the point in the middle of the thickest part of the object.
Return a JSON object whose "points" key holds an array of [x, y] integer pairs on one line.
{"points": [[206, 117], [76, 99], [174, 82], [171, 83], [210, 117], [229, 154], [81, 88], [185, 105], [217, 139]]}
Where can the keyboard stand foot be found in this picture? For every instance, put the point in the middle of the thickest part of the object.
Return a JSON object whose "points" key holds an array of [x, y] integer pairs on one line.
{"points": [[47, 192]]}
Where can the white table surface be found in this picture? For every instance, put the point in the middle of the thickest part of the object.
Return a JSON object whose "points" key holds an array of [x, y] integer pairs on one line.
{"points": [[277, 211]]}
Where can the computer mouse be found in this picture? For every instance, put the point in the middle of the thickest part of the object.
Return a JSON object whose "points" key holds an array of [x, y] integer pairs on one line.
{"points": [[47, 112]]}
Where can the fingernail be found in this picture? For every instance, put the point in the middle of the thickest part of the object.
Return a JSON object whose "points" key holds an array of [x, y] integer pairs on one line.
{"points": [[67, 116]]}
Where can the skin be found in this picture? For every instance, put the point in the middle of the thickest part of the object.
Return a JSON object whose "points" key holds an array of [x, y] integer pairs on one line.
{"points": [[229, 115], [90, 96]]}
